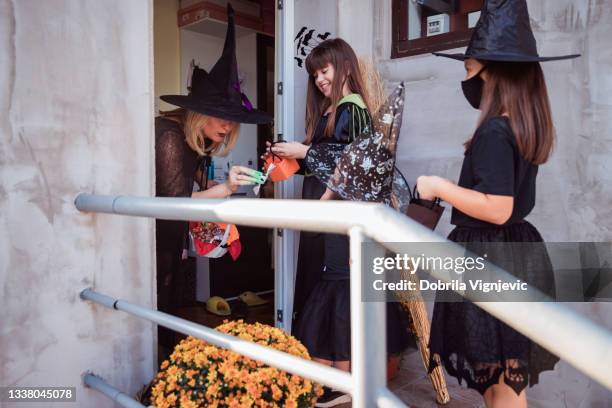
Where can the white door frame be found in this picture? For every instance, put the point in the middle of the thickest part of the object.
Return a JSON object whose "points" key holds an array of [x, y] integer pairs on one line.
{"points": [[284, 240]]}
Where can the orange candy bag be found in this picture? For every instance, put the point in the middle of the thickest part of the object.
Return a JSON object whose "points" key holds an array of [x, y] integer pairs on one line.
{"points": [[284, 168]]}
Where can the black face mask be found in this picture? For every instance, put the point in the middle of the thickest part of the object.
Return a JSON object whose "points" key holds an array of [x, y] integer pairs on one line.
{"points": [[472, 89]]}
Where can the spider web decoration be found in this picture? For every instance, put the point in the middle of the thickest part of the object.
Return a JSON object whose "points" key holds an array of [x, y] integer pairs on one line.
{"points": [[305, 40]]}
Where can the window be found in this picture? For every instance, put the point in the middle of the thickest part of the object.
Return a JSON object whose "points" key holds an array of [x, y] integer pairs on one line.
{"points": [[424, 26]]}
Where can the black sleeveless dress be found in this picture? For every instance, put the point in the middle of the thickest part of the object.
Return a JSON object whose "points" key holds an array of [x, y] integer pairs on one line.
{"points": [[473, 345]]}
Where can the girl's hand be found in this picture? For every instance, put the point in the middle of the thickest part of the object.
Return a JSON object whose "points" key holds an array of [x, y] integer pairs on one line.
{"points": [[242, 176], [329, 195], [289, 150], [427, 186]]}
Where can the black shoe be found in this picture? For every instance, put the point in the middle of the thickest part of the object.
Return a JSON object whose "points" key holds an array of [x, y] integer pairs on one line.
{"points": [[331, 398]]}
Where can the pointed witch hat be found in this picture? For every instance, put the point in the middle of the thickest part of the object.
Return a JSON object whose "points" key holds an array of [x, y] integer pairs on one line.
{"points": [[365, 169], [503, 33], [218, 93]]}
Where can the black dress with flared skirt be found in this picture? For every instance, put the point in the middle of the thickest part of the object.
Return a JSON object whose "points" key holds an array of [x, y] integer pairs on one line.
{"points": [[474, 346], [322, 299]]}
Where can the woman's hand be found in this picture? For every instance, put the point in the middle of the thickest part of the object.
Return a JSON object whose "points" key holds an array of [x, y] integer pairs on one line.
{"points": [[242, 176], [427, 186], [289, 150]]}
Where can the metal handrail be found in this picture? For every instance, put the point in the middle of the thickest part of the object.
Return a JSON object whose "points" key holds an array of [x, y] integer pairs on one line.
{"points": [[296, 365], [333, 377], [97, 383], [552, 325]]}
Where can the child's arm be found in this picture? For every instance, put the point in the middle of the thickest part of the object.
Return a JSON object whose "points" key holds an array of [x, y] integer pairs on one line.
{"points": [[289, 150], [495, 209], [491, 198], [329, 195]]}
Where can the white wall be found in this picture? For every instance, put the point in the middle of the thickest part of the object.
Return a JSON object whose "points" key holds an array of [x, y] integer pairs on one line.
{"points": [[574, 187], [574, 200], [75, 116], [321, 15]]}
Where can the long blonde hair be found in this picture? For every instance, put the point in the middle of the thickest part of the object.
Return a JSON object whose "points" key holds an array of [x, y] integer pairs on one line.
{"points": [[193, 124]]}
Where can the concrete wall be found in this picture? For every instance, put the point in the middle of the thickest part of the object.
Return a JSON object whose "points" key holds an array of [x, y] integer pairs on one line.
{"points": [[574, 187], [76, 108], [574, 201]]}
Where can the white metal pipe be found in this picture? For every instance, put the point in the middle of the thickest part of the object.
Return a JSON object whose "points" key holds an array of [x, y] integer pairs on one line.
{"points": [[106, 301], [552, 325], [98, 384], [368, 333], [265, 213], [296, 365], [386, 399]]}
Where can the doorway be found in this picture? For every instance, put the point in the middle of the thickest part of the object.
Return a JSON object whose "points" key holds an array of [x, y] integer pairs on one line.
{"points": [[201, 41]]}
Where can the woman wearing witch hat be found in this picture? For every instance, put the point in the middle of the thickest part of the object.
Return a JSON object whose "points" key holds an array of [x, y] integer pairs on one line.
{"points": [[206, 125], [496, 191]]}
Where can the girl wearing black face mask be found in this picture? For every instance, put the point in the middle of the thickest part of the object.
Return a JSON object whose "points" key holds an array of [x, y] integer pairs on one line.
{"points": [[495, 192], [472, 86]]}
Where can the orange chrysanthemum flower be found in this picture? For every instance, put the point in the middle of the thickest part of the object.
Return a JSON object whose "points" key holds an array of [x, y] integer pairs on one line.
{"points": [[199, 374]]}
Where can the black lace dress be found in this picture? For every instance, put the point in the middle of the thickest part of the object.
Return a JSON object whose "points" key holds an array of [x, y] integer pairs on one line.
{"points": [[473, 345], [175, 168]]}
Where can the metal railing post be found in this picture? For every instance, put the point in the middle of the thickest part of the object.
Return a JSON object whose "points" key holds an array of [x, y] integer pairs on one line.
{"points": [[284, 265], [284, 361], [368, 332], [552, 325], [98, 384]]}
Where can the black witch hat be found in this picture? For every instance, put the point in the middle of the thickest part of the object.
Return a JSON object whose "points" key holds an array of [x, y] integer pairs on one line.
{"points": [[503, 33], [218, 93], [365, 169]]}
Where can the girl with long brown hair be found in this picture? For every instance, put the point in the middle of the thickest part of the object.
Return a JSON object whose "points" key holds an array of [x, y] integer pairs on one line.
{"points": [[495, 192], [337, 112]]}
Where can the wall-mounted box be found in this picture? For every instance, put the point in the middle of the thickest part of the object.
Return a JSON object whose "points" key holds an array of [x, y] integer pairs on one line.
{"points": [[438, 24]]}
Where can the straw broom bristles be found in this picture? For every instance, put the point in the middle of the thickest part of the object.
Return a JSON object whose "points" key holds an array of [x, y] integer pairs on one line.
{"points": [[375, 86], [414, 304]]}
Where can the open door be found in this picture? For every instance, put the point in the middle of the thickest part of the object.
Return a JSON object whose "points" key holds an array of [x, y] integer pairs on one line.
{"points": [[198, 30]]}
